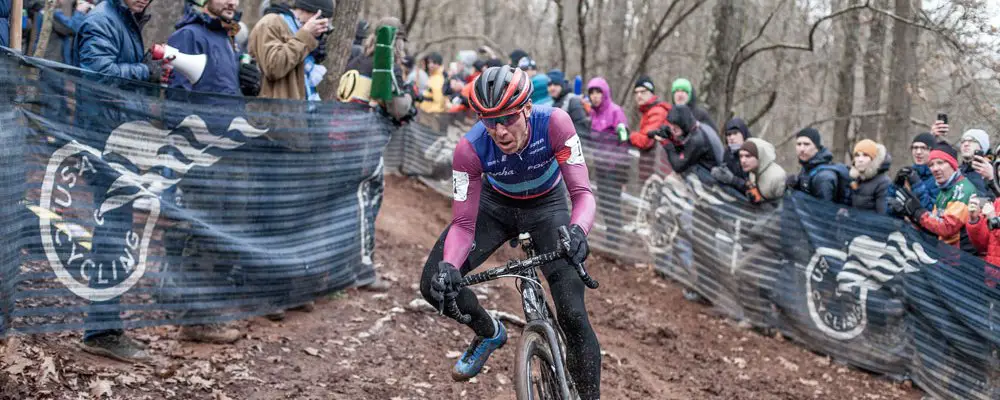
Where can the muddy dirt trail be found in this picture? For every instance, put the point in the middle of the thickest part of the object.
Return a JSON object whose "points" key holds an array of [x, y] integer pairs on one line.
{"points": [[361, 345]]}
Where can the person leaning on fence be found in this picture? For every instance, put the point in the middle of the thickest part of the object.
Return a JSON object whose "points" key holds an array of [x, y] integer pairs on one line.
{"points": [[571, 103], [950, 214], [918, 177], [731, 172], [870, 174], [820, 177], [691, 148], [765, 178], [283, 41], [974, 147]]}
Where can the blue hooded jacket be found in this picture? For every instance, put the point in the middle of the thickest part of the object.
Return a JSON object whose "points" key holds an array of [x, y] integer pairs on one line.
{"points": [[5, 23], [110, 42], [198, 33]]}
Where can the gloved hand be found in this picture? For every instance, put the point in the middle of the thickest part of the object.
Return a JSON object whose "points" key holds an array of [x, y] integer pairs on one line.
{"points": [[907, 204], [250, 78], [909, 175], [158, 72], [578, 248], [792, 181], [723, 175], [445, 284]]}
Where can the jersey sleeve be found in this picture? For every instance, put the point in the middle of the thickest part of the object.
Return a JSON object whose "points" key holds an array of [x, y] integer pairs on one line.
{"points": [[569, 153], [467, 185]]}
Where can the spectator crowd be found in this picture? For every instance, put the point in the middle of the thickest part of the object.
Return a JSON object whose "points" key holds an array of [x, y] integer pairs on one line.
{"points": [[949, 192]]}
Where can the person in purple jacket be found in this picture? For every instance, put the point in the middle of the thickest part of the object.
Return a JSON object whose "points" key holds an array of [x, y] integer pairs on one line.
{"points": [[609, 136], [511, 174]]}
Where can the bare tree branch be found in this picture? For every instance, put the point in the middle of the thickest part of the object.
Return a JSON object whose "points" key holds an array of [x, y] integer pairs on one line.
{"points": [[656, 39], [413, 17], [865, 114], [582, 9], [46, 32], [559, 34], [771, 99]]}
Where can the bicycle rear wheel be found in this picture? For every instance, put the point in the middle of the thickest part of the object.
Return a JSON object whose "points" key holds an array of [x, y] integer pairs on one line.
{"points": [[536, 376]]}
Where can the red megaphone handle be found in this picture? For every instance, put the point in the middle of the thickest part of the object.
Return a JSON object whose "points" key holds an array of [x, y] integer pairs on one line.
{"points": [[158, 51]]}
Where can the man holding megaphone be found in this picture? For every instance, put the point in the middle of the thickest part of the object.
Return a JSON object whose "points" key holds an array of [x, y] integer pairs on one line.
{"points": [[110, 42], [209, 28]]}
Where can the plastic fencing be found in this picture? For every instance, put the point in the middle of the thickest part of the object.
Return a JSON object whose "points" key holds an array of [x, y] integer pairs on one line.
{"points": [[128, 205], [868, 290]]}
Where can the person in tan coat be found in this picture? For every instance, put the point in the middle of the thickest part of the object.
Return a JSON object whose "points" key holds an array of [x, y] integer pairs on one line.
{"points": [[281, 42], [767, 178]]}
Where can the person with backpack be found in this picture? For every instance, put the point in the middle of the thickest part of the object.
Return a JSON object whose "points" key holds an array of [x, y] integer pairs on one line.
{"points": [[568, 101], [820, 177]]}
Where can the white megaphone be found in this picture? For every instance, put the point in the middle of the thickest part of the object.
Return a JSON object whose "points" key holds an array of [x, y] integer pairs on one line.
{"points": [[192, 66]]}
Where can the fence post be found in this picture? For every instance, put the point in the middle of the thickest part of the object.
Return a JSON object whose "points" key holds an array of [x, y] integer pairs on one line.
{"points": [[16, 8]]}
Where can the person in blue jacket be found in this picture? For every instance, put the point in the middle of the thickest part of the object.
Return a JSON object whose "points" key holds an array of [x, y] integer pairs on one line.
{"points": [[919, 175], [110, 42], [209, 27], [5, 23], [64, 28]]}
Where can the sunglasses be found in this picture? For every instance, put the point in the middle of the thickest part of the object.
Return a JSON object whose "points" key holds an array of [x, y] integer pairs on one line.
{"points": [[506, 120]]}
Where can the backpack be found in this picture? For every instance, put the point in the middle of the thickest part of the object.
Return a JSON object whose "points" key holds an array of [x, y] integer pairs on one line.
{"points": [[843, 190]]}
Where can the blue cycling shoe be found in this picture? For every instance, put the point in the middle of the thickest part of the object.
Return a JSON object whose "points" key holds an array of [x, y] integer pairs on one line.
{"points": [[470, 363]]}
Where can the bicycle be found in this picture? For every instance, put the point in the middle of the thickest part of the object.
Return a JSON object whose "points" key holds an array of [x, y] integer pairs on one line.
{"points": [[542, 342]]}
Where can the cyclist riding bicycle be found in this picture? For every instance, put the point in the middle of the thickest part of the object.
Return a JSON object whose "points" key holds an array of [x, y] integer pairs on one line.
{"points": [[529, 157]]}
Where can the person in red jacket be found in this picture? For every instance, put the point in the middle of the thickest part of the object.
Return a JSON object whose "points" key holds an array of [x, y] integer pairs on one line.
{"points": [[984, 232], [654, 114]]}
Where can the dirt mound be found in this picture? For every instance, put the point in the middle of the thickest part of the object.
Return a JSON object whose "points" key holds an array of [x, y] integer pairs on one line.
{"points": [[360, 345]]}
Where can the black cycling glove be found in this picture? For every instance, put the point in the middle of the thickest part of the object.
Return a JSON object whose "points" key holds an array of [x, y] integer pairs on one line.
{"points": [[250, 79], [578, 248], [446, 282]]}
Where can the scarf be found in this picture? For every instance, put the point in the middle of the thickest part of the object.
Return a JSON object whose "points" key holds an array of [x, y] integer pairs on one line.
{"points": [[314, 71]]}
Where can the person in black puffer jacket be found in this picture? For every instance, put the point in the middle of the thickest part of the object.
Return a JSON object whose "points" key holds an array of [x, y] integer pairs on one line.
{"points": [[695, 150], [871, 180]]}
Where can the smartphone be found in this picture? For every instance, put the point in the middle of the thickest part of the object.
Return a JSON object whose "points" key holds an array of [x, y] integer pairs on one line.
{"points": [[943, 118], [979, 153]]}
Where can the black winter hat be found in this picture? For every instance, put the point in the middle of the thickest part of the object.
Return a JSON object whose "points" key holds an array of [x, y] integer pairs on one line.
{"points": [[925, 138], [682, 117], [326, 6], [516, 56], [645, 82], [945, 147], [813, 135], [435, 58]]}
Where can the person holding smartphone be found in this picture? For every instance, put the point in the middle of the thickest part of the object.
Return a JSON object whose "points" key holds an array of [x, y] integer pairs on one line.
{"points": [[974, 146], [282, 43]]}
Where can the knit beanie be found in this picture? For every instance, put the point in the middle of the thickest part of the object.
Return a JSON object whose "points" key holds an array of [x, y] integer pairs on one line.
{"points": [[557, 77], [813, 135], [979, 136], [681, 84], [946, 153], [925, 138], [326, 6], [647, 83], [867, 147], [751, 148]]}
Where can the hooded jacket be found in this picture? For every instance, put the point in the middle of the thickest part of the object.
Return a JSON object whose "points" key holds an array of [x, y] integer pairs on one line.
{"points": [[603, 120], [699, 113], [570, 103], [821, 184], [5, 23], [731, 157], [987, 242], [696, 147], [871, 185], [654, 116], [198, 33], [768, 176], [110, 42], [540, 93], [281, 56]]}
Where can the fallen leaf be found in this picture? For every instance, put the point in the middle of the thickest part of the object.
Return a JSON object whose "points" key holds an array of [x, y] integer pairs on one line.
{"points": [[422, 385], [201, 382], [453, 354], [48, 371], [100, 388], [311, 351], [808, 382]]}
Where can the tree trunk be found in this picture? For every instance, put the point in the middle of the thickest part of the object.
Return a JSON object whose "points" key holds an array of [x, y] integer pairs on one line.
{"points": [[902, 81], [874, 76], [725, 39], [845, 87], [489, 14], [559, 34], [581, 29], [338, 45], [615, 55]]}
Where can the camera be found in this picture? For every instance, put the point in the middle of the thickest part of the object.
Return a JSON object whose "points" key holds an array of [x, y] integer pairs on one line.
{"points": [[993, 223]]}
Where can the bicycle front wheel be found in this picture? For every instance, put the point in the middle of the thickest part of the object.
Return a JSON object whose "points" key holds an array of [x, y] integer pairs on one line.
{"points": [[536, 378]]}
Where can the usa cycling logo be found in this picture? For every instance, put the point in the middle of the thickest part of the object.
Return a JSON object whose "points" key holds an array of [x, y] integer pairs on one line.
{"points": [[130, 177], [837, 301]]}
